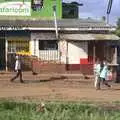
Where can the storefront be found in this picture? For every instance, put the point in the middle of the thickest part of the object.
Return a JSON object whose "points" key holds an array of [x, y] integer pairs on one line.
{"points": [[77, 46], [17, 42]]}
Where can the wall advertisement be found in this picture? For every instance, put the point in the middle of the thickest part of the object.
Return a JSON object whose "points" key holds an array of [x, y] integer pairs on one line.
{"points": [[15, 8]]}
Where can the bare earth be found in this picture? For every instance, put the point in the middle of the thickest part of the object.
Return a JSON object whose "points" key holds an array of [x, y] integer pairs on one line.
{"points": [[56, 87]]}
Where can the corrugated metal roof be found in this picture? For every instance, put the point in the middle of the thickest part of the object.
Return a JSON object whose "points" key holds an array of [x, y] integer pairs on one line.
{"points": [[88, 37], [63, 23]]}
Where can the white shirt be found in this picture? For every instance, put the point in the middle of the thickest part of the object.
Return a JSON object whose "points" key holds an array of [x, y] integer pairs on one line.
{"points": [[17, 65], [97, 69]]}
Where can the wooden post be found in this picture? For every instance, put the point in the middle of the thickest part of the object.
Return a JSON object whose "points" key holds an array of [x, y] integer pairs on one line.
{"points": [[94, 54], [6, 54], [115, 55]]}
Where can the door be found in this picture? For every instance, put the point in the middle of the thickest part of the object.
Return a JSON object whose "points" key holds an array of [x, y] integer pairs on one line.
{"points": [[2, 53]]}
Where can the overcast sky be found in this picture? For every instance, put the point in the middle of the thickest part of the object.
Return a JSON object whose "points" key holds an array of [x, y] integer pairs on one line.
{"points": [[97, 8]]}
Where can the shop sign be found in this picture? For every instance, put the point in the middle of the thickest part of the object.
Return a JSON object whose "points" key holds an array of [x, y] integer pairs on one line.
{"points": [[15, 8]]}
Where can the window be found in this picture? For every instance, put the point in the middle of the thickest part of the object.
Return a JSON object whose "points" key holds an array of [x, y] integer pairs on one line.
{"points": [[37, 5], [18, 46], [48, 45]]}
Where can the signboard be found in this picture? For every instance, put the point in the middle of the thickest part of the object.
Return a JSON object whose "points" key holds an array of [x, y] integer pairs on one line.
{"points": [[15, 8], [38, 9]]}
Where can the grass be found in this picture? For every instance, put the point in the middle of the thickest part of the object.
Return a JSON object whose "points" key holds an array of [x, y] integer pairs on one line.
{"points": [[11, 110]]}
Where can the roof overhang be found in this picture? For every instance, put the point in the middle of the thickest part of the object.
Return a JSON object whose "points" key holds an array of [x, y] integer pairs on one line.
{"points": [[15, 28], [89, 37]]}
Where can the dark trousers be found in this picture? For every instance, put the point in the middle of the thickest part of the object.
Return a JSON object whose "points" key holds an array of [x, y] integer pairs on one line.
{"points": [[103, 81], [19, 73]]}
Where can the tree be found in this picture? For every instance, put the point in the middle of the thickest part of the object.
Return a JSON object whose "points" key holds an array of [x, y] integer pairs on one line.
{"points": [[117, 32], [118, 23]]}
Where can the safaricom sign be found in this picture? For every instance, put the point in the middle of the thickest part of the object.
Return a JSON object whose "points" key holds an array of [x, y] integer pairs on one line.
{"points": [[15, 8]]}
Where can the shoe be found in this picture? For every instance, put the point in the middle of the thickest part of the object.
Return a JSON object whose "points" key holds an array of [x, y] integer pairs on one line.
{"points": [[97, 88], [11, 80], [109, 86], [22, 81]]}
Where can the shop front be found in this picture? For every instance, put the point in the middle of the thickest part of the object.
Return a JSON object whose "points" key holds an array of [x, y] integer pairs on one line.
{"points": [[83, 49], [17, 42]]}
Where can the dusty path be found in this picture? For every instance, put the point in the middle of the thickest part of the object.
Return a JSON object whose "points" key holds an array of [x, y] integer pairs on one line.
{"points": [[47, 87]]}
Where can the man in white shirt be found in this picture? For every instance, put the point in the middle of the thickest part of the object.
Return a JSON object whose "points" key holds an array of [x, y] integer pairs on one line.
{"points": [[18, 70], [97, 73]]}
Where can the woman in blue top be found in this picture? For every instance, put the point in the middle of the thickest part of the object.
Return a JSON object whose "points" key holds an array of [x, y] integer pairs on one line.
{"points": [[103, 73]]}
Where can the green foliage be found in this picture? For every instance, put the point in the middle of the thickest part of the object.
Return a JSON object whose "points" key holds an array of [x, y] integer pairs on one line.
{"points": [[118, 23], [117, 32], [56, 111]]}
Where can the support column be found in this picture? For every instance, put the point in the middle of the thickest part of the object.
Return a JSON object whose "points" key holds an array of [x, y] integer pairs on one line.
{"points": [[115, 55], [6, 54], [94, 53]]}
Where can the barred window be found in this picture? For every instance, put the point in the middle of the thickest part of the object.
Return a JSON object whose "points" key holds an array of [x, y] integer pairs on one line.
{"points": [[48, 45], [18, 46]]}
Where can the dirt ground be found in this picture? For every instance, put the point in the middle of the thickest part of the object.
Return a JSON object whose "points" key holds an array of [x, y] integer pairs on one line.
{"points": [[72, 87]]}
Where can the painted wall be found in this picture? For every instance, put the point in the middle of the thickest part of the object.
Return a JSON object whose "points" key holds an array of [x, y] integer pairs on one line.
{"points": [[70, 52], [43, 54], [25, 10], [77, 51]]}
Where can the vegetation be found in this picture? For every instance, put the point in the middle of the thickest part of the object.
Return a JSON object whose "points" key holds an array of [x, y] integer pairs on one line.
{"points": [[117, 32], [10, 110]]}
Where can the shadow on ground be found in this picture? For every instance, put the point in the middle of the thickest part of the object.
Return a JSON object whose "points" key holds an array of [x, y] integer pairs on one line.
{"points": [[46, 80]]}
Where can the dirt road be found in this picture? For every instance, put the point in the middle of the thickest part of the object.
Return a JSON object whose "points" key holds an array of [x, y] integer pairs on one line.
{"points": [[49, 87]]}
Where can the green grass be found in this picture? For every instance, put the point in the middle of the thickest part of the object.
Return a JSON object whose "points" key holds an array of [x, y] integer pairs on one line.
{"points": [[11, 110]]}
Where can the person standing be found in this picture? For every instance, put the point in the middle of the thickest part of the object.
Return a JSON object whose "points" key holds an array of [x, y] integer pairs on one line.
{"points": [[97, 74], [18, 70]]}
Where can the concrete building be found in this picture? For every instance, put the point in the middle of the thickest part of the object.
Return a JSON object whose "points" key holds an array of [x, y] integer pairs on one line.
{"points": [[79, 42]]}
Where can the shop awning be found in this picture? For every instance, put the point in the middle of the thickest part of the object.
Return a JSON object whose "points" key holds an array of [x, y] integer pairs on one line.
{"points": [[89, 37]]}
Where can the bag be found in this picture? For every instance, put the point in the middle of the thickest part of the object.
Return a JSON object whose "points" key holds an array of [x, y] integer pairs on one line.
{"points": [[109, 75]]}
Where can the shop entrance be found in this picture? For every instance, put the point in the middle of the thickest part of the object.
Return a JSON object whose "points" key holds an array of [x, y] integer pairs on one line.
{"points": [[100, 49], [2, 53]]}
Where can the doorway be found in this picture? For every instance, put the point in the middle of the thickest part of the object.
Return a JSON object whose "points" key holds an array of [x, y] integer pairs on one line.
{"points": [[2, 54]]}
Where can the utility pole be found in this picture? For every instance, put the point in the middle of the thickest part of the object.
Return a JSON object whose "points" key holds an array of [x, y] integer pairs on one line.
{"points": [[109, 9], [55, 20]]}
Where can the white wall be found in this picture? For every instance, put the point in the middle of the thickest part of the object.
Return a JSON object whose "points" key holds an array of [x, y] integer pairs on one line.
{"points": [[76, 51], [42, 54], [71, 52]]}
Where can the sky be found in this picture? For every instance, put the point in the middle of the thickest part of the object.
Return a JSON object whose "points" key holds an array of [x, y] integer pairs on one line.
{"points": [[97, 8]]}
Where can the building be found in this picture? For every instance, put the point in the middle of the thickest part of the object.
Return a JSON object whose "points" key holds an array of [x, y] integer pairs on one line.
{"points": [[25, 29], [78, 45]]}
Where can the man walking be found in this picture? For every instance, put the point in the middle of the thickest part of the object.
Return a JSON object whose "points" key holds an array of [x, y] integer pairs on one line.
{"points": [[97, 74], [18, 70]]}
